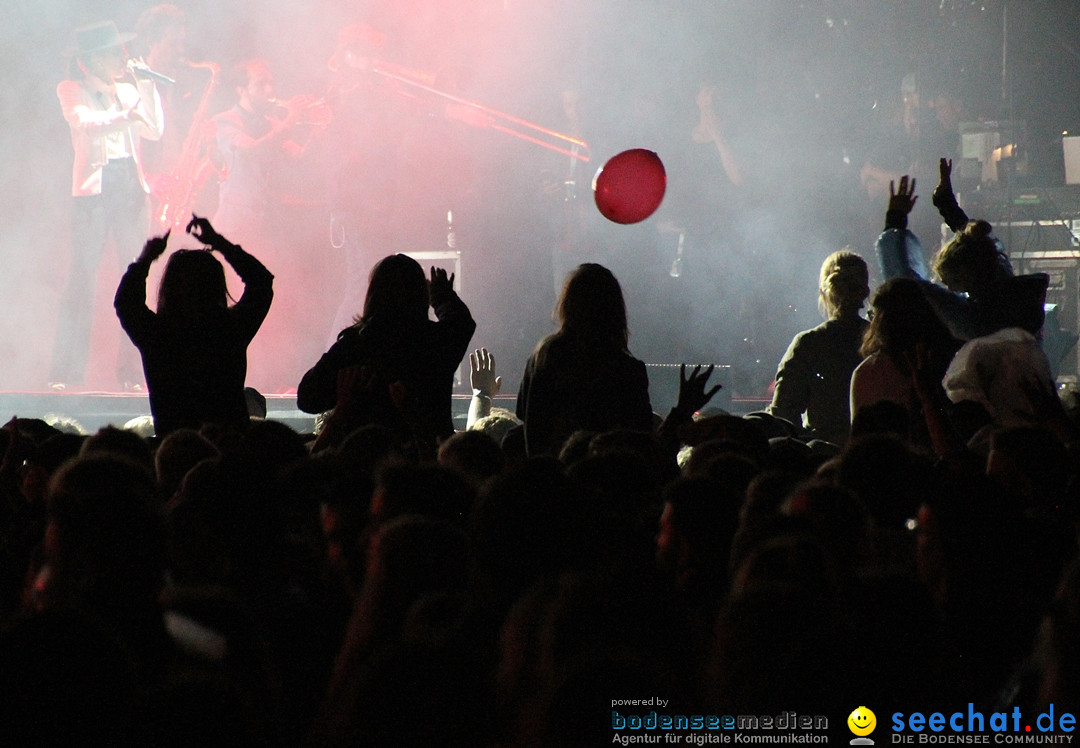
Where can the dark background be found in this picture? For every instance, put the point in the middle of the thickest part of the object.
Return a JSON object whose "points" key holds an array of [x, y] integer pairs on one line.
{"points": [[806, 88]]}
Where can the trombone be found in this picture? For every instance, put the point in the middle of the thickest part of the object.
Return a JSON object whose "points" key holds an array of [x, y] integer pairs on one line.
{"points": [[501, 121]]}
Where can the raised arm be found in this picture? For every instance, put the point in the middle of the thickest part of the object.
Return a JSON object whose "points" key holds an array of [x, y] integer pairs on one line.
{"points": [[485, 385], [945, 200], [130, 299], [455, 320], [693, 396], [254, 303], [899, 253]]}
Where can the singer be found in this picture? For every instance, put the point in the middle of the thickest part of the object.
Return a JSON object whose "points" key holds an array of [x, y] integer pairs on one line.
{"points": [[109, 110]]}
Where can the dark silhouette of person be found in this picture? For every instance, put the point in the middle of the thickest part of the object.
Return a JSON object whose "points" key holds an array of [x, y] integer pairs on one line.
{"points": [[906, 342], [814, 377], [194, 347], [583, 376], [395, 365], [980, 293]]}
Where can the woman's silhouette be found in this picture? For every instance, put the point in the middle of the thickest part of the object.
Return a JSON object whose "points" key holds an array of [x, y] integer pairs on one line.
{"points": [[194, 347], [583, 377], [395, 366]]}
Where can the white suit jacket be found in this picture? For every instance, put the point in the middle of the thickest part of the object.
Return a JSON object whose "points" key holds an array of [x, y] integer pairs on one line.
{"points": [[90, 121]]}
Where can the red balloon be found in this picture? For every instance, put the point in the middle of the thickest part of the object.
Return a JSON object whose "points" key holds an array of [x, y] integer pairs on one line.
{"points": [[630, 186]]}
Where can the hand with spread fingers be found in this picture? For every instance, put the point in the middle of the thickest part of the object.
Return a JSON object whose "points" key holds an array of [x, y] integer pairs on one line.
{"points": [[692, 394], [482, 373], [902, 197], [440, 286]]}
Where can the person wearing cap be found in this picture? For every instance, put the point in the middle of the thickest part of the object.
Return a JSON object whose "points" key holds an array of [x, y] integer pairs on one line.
{"points": [[110, 106]]}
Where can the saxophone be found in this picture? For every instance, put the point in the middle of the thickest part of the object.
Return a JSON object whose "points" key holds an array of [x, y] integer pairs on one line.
{"points": [[196, 164]]}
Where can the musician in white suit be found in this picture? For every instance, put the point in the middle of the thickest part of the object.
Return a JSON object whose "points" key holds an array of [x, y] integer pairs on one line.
{"points": [[110, 104]]}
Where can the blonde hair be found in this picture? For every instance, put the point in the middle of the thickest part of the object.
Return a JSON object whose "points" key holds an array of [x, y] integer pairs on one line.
{"points": [[843, 284], [972, 261]]}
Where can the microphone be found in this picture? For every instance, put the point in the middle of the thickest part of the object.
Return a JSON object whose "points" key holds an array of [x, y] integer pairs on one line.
{"points": [[140, 69]]}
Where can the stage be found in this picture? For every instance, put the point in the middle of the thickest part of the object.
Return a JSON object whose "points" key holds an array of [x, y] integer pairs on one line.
{"points": [[93, 409]]}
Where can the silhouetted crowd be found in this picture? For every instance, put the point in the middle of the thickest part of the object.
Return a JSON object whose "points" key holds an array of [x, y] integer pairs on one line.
{"points": [[389, 581]]}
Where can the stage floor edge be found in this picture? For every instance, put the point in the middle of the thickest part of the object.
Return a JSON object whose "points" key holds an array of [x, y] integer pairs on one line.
{"points": [[94, 409]]}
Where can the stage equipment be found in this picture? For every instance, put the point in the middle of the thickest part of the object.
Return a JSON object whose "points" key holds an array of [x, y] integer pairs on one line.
{"points": [[987, 149], [1051, 247]]}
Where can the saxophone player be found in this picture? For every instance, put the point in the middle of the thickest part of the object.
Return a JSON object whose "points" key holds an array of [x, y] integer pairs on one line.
{"points": [[172, 164]]}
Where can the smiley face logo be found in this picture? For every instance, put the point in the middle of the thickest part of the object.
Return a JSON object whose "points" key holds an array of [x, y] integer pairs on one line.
{"points": [[862, 721]]}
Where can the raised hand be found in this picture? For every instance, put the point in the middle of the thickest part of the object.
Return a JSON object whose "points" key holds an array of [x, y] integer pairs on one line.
{"points": [[351, 380], [482, 373], [440, 287], [154, 247], [944, 190], [902, 198], [692, 394], [201, 229]]}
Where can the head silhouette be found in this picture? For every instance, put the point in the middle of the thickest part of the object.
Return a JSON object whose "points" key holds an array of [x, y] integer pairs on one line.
{"points": [[591, 307], [193, 284], [843, 285], [902, 319], [397, 289], [971, 262]]}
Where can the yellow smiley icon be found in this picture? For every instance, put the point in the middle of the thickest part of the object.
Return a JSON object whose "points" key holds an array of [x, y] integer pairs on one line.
{"points": [[862, 721]]}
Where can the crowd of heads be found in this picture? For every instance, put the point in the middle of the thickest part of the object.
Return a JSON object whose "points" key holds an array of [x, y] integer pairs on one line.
{"points": [[258, 585], [237, 585]]}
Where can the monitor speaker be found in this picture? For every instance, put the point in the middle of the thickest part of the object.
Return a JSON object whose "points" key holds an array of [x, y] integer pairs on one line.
{"points": [[1063, 311]]}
